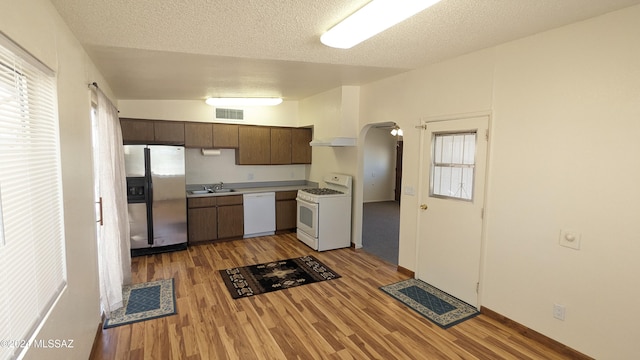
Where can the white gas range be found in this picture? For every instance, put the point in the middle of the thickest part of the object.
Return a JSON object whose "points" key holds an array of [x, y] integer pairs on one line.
{"points": [[324, 214]]}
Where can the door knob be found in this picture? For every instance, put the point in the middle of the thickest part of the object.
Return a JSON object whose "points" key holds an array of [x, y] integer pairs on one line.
{"points": [[423, 206]]}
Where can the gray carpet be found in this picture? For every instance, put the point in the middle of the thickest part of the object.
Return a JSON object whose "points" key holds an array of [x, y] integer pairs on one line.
{"points": [[380, 228]]}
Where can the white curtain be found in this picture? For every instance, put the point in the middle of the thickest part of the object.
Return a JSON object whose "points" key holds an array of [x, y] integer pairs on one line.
{"points": [[113, 237]]}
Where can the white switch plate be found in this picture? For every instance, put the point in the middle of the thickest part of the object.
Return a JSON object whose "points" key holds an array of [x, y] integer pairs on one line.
{"points": [[408, 190], [559, 311], [570, 239]]}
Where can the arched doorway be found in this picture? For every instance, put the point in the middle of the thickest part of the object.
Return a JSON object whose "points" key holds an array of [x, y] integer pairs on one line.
{"points": [[382, 174]]}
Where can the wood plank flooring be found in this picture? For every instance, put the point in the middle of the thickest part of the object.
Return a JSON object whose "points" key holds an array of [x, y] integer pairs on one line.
{"points": [[345, 318]]}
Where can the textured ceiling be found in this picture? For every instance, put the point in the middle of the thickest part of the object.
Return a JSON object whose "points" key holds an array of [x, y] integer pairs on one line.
{"points": [[191, 49]]}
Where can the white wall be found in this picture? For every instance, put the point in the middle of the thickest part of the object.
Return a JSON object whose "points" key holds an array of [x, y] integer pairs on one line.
{"points": [[565, 106], [214, 169], [379, 165], [461, 85], [285, 114], [36, 26], [332, 114]]}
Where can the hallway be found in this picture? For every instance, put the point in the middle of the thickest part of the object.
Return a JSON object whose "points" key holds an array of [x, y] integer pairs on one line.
{"points": [[380, 228]]}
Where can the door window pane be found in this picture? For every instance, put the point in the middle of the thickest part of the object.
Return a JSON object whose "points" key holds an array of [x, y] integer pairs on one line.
{"points": [[453, 163]]}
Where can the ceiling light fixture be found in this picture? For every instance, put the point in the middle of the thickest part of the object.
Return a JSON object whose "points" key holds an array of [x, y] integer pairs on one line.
{"points": [[371, 19], [397, 131], [243, 101]]}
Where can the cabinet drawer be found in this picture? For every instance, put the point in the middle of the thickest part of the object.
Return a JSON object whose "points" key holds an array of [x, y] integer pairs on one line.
{"points": [[229, 200], [286, 195], [202, 202]]}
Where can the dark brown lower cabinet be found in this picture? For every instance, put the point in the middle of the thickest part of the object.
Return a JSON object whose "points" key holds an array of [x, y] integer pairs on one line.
{"points": [[230, 221], [286, 210], [215, 217], [203, 224]]}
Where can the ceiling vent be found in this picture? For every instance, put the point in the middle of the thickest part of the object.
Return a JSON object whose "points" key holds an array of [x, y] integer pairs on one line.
{"points": [[229, 114]]}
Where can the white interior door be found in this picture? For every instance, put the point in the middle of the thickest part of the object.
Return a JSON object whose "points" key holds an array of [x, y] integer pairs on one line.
{"points": [[453, 177]]}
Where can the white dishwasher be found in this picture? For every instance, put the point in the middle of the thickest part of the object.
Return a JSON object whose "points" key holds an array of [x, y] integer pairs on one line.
{"points": [[259, 214]]}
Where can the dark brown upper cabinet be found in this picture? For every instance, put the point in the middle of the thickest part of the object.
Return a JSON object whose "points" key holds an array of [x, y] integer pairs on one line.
{"points": [[141, 131], [280, 146], [168, 132], [198, 135], [254, 145], [300, 148], [225, 136], [136, 131]]}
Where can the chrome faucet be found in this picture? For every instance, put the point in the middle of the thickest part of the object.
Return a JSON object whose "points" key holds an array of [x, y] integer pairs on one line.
{"points": [[218, 186]]}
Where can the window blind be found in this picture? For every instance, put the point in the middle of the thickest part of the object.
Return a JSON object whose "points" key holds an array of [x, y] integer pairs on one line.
{"points": [[32, 260]]}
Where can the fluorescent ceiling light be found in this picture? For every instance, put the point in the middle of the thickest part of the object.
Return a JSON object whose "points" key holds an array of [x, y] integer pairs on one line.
{"points": [[373, 18], [243, 101]]}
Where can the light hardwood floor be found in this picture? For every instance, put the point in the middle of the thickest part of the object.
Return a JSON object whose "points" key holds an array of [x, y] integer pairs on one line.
{"points": [[345, 318]]}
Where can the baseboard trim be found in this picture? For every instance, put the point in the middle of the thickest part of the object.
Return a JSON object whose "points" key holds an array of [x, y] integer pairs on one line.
{"points": [[406, 271], [534, 335]]}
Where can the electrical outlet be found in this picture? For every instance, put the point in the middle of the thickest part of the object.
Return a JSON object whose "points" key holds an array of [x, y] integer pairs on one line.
{"points": [[559, 311]]}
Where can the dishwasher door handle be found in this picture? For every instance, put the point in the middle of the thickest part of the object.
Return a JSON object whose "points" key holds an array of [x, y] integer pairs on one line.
{"points": [[260, 195]]}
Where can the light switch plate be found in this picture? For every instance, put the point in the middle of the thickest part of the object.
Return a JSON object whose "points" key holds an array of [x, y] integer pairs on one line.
{"points": [[559, 311], [570, 239]]}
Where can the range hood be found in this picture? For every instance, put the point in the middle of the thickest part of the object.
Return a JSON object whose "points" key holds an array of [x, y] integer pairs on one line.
{"points": [[336, 141]]}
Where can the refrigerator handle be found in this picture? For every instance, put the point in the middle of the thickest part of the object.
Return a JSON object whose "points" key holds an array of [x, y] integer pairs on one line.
{"points": [[148, 184]]}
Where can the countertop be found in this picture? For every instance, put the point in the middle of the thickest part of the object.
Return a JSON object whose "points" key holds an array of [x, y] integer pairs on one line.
{"points": [[251, 190]]}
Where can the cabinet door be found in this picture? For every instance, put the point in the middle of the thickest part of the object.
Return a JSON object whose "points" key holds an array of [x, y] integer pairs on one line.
{"points": [[225, 136], [168, 132], [300, 148], [136, 131], [198, 135], [254, 145], [203, 225], [286, 214], [280, 146], [230, 221]]}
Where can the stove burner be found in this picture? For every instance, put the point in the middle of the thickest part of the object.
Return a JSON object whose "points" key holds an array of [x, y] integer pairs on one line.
{"points": [[322, 191]]}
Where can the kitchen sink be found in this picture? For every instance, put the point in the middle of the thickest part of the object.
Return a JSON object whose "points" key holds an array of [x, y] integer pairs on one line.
{"points": [[198, 192], [223, 190], [211, 191]]}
